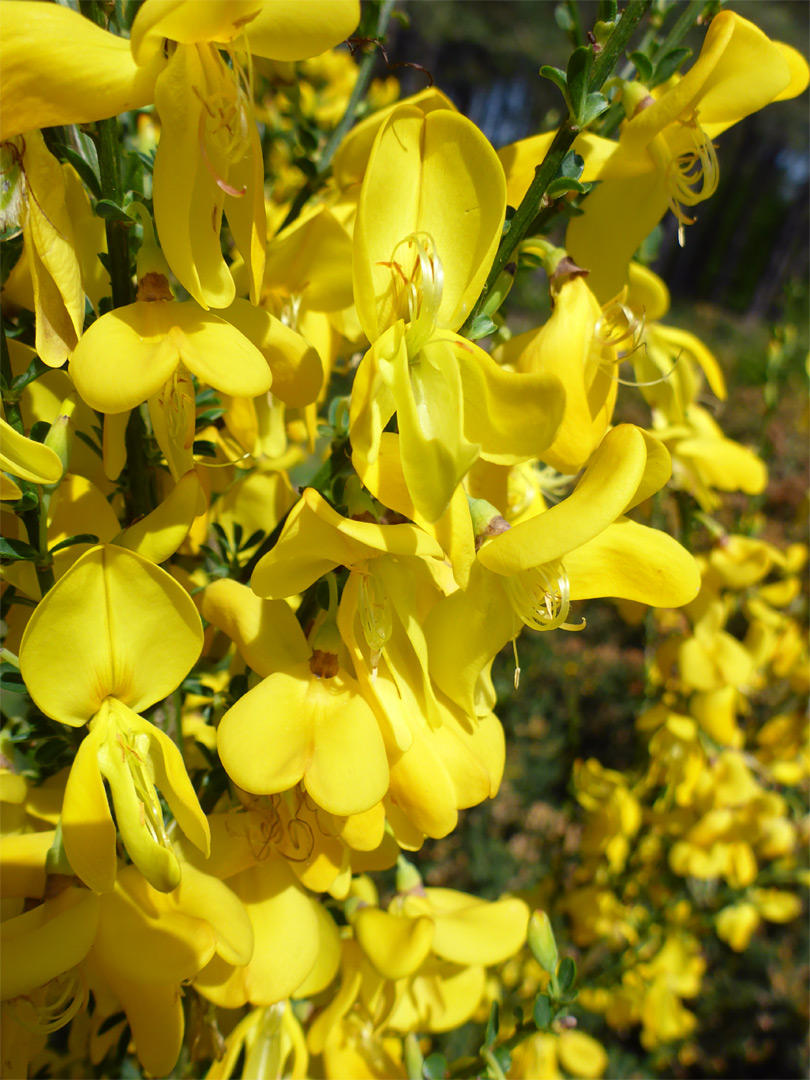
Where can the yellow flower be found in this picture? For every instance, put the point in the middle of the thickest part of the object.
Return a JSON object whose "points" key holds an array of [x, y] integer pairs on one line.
{"points": [[34, 200], [210, 147], [428, 224], [581, 548], [307, 720], [665, 155], [117, 634]]}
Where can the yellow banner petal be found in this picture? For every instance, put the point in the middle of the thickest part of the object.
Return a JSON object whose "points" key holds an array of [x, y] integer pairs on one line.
{"points": [[113, 625]]}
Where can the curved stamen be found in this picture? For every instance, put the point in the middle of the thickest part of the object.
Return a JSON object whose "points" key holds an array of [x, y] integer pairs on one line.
{"points": [[619, 324], [418, 280], [692, 176], [52, 1006], [540, 597]]}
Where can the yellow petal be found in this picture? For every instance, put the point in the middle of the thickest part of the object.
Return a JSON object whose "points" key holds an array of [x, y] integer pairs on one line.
{"points": [[155, 1016], [473, 931], [49, 239], [293, 726], [442, 997], [295, 366], [434, 174], [9, 491], [316, 539], [514, 416], [396, 945], [617, 216], [633, 562], [188, 202], [24, 860], [88, 831], [718, 83], [312, 259], [609, 483], [327, 964], [351, 157], [45, 54], [286, 939], [46, 941], [434, 449], [285, 31], [80, 648], [27, 459], [266, 632], [277, 29], [582, 1055], [157, 536]]}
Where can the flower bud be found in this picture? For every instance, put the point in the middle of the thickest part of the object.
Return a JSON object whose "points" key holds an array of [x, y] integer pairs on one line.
{"points": [[60, 436], [540, 937], [486, 520], [408, 877]]}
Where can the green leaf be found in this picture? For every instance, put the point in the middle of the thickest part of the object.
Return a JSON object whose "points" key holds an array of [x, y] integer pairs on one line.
{"points": [[435, 1067], [572, 165], [88, 441], [35, 370], [567, 975], [16, 549], [209, 416], [580, 63], [643, 65], [79, 538], [493, 1023], [594, 105], [39, 431], [481, 327], [557, 188], [252, 540], [82, 167], [11, 680], [503, 1057], [111, 211], [10, 252], [562, 17], [29, 501], [542, 1012], [666, 66], [584, 106], [557, 77]]}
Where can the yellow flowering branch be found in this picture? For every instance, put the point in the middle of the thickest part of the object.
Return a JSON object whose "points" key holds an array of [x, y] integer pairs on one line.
{"points": [[545, 173]]}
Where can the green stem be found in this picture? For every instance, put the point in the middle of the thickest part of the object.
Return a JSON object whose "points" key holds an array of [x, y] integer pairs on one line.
{"points": [[36, 525], [494, 1068], [140, 495], [533, 201], [346, 121], [476, 1066], [576, 28], [11, 404], [109, 167], [681, 27]]}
